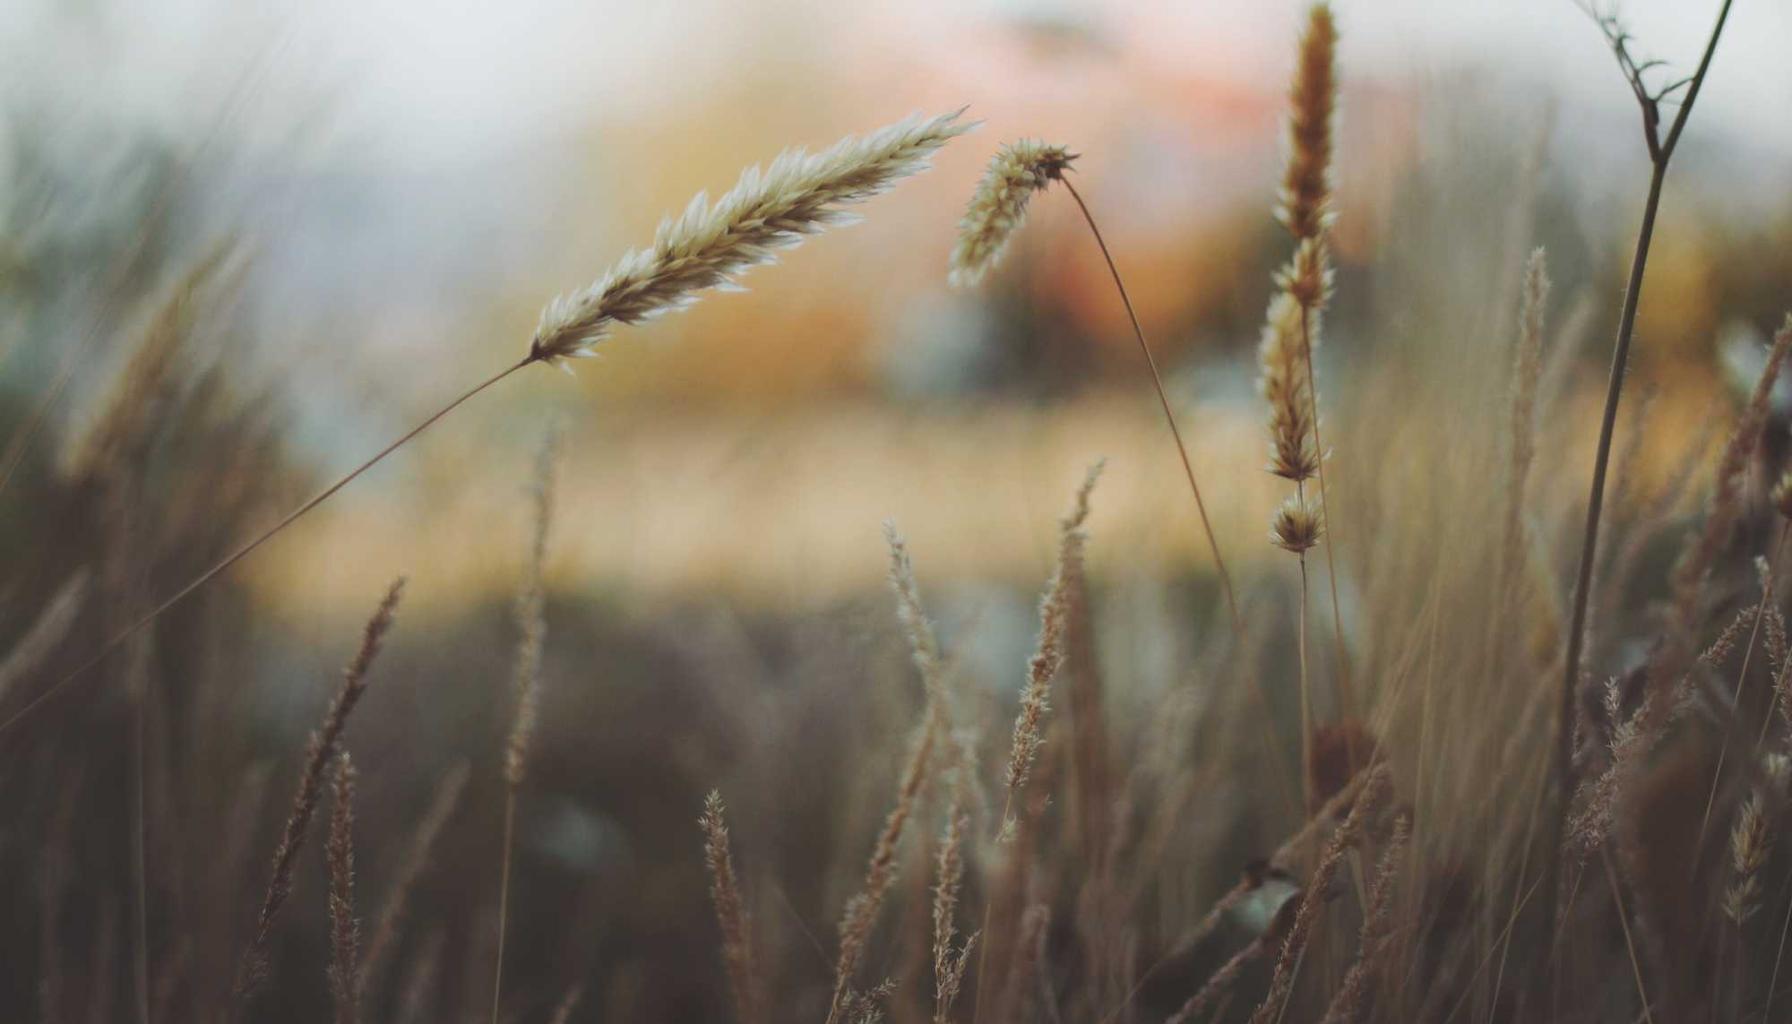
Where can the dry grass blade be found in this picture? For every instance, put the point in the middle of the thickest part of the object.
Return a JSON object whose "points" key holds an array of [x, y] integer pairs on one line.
{"points": [[253, 968], [29, 651], [1372, 941]]}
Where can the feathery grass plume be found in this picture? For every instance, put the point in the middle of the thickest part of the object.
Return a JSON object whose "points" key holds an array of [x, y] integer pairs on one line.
{"points": [[924, 645], [1297, 527], [1373, 938], [1054, 611], [1374, 795], [345, 931], [252, 971], [708, 246], [532, 628], [1283, 383], [385, 931], [731, 911], [1303, 204], [999, 206]]}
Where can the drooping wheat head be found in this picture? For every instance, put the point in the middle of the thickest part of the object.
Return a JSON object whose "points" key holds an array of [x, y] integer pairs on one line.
{"points": [[999, 206]]}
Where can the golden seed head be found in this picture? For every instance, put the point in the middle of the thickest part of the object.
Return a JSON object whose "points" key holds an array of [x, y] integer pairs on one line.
{"points": [[999, 206], [1297, 526]]}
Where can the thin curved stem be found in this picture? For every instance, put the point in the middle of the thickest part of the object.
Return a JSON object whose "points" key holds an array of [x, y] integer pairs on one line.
{"points": [[1157, 382], [243, 552], [1659, 157]]}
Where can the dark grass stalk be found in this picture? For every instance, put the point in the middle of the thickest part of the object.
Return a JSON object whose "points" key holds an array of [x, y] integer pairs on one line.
{"points": [[247, 549], [253, 968], [1157, 382], [345, 931], [1660, 153]]}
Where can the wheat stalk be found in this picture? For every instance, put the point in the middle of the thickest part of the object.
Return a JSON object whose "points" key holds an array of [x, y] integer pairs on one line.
{"points": [[798, 195]]}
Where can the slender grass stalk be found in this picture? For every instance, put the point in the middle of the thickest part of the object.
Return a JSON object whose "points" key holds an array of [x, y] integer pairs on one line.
{"points": [[1157, 383], [1660, 153]]}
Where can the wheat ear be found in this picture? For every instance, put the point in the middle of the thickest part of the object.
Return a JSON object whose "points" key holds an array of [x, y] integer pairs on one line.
{"points": [[798, 195]]}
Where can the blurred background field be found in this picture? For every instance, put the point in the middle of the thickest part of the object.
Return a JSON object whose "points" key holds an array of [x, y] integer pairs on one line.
{"points": [[401, 186]]}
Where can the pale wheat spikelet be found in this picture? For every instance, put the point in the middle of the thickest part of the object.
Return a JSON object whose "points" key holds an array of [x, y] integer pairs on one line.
{"points": [[1307, 279], [253, 968], [1284, 385], [345, 931], [1297, 526], [1304, 200], [1372, 940], [1312, 900], [423, 841], [1049, 656], [731, 911], [709, 245], [999, 206]]}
